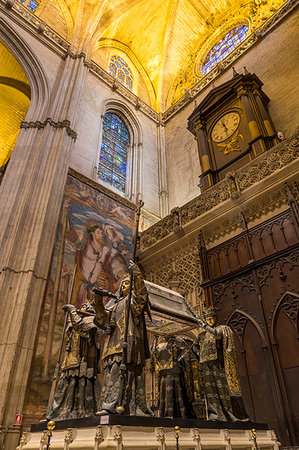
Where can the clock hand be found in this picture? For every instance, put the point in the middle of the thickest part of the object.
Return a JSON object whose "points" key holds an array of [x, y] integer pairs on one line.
{"points": [[224, 126]]}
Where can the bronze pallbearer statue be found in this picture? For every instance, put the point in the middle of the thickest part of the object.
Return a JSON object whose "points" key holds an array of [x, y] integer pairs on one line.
{"points": [[123, 385], [78, 389], [215, 350]]}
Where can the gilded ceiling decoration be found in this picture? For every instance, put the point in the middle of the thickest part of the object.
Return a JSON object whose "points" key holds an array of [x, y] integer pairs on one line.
{"points": [[165, 41]]}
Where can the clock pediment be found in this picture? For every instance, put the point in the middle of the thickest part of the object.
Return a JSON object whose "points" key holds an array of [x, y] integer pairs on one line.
{"points": [[220, 94], [232, 126]]}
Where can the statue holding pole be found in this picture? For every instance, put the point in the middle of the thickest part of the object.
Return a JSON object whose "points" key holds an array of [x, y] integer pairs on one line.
{"points": [[75, 389], [127, 348], [215, 350]]}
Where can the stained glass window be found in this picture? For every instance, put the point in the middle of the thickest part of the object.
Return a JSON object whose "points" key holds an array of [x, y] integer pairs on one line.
{"points": [[120, 70], [227, 44], [30, 4], [113, 155]]}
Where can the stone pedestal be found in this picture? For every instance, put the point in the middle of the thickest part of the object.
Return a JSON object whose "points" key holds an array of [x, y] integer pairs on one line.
{"points": [[136, 433]]}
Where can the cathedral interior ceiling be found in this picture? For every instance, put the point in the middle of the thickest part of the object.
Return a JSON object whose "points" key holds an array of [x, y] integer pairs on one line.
{"points": [[165, 41]]}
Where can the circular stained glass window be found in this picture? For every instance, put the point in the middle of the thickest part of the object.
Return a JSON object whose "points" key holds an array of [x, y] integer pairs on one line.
{"points": [[221, 50]]}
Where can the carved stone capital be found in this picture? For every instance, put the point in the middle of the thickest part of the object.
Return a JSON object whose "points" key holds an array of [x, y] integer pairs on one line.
{"points": [[42, 27], [196, 438], [43, 440], [117, 436], [41, 125], [99, 436], [24, 440], [69, 437], [160, 437], [9, 4]]}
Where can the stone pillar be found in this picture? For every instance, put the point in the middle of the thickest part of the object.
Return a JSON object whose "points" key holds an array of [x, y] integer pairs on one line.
{"points": [[30, 198], [163, 188]]}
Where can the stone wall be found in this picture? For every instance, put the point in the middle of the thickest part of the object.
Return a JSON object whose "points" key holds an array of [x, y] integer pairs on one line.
{"points": [[273, 60]]}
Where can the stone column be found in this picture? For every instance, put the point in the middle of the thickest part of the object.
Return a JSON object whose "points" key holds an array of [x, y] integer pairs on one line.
{"points": [[30, 199], [163, 188]]}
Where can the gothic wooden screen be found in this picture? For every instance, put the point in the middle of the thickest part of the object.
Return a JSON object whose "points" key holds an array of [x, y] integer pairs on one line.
{"points": [[253, 281]]}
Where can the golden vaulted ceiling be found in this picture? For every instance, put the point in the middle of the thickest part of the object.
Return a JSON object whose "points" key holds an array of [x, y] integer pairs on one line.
{"points": [[163, 41]]}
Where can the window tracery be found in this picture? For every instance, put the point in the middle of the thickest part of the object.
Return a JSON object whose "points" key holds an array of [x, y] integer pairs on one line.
{"points": [[120, 70], [226, 45], [30, 4], [112, 167]]}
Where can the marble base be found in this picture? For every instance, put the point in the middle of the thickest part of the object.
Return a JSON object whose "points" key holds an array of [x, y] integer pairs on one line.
{"points": [[137, 433]]}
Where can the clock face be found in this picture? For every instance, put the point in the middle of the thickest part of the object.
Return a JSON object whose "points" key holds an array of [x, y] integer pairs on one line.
{"points": [[225, 127]]}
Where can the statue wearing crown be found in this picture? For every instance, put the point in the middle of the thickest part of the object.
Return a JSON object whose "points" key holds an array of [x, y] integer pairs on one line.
{"points": [[126, 348], [215, 351]]}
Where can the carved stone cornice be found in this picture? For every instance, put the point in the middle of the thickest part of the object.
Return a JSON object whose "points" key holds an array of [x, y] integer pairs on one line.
{"points": [[123, 91], [235, 188], [61, 46], [76, 56], [29, 21], [41, 125], [101, 188], [257, 34]]}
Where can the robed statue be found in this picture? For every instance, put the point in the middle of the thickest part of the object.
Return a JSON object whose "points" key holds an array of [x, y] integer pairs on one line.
{"points": [[215, 350], [123, 316], [78, 390], [173, 369]]}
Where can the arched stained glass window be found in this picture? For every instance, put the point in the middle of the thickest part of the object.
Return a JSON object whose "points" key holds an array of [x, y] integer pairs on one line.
{"points": [[113, 154], [30, 4], [120, 70], [221, 50]]}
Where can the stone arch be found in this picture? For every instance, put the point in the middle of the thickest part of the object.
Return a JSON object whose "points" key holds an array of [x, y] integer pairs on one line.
{"points": [[135, 158], [39, 86]]}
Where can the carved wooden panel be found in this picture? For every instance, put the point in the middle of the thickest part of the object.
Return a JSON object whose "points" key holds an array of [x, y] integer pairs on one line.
{"points": [[253, 281]]}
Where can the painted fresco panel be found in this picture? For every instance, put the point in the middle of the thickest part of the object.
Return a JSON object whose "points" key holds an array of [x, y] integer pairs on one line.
{"points": [[93, 245]]}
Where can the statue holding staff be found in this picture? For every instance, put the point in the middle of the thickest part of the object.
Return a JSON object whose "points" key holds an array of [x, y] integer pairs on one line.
{"points": [[215, 350], [127, 348], [78, 388], [123, 388]]}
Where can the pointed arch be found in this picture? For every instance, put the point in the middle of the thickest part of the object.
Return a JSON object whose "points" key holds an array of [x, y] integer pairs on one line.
{"points": [[134, 174], [39, 85], [289, 302], [240, 325]]}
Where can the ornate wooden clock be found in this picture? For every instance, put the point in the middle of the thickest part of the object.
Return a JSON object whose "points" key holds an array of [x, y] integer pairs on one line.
{"points": [[232, 126]]}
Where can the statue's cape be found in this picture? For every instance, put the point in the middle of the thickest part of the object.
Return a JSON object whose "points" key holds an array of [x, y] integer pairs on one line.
{"points": [[230, 361]]}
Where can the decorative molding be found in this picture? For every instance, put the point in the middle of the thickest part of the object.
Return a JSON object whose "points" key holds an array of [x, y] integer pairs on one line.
{"points": [[264, 272], [76, 56], [196, 438], [230, 188], [123, 91], [124, 201], [42, 29], [117, 437], [40, 26], [251, 212], [24, 440], [160, 437], [10, 269], [179, 270], [70, 435], [41, 125], [43, 440], [99, 437], [258, 33]]}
